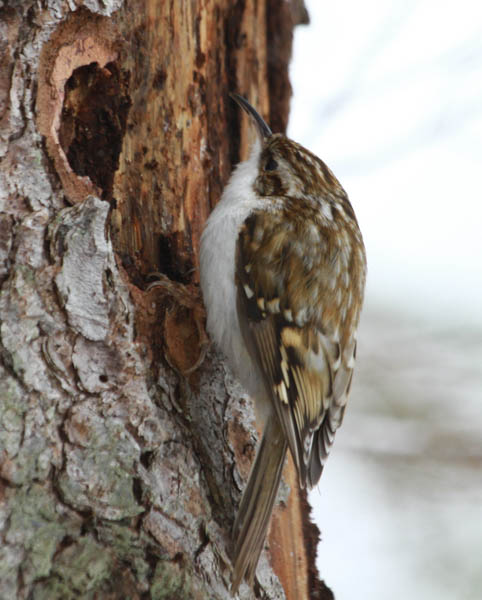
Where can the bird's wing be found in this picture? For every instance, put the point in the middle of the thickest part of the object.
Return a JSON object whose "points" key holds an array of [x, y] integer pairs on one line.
{"points": [[289, 315]]}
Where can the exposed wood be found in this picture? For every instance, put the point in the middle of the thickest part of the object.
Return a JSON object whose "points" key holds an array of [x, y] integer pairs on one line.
{"points": [[293, 541]]}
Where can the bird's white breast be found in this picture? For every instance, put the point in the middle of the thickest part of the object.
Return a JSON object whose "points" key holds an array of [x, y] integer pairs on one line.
{"points": [[217, 269]]}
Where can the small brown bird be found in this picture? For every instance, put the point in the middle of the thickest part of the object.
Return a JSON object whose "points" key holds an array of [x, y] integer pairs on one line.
{"points": [[283, 272]]}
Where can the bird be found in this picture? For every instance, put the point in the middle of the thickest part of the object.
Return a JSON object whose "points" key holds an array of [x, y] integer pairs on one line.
{"points": [[282, 273]]}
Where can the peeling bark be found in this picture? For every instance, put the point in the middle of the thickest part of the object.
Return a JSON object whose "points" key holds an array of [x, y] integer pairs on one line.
{"points": [[124, 443]]}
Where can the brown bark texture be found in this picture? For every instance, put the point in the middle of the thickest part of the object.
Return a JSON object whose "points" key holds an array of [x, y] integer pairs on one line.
{"points": [[124, 441]]}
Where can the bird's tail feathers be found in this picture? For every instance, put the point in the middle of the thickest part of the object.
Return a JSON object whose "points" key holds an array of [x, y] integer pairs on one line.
{"points": [[252, 520]]}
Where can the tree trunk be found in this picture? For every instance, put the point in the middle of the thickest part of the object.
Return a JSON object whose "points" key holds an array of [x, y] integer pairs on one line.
{"points": [[124, 442]]}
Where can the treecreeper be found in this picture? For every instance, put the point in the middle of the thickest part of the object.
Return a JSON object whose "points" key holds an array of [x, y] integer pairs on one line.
{"points": [[283, 269]]}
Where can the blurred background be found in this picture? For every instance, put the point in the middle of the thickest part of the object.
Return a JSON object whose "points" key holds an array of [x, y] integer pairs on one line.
{"points": [[389, 94]]}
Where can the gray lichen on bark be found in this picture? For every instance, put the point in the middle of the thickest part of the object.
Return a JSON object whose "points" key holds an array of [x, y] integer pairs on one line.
{"points": [[96, 467]]}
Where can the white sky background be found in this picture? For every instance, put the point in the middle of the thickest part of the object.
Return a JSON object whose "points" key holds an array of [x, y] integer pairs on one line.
{"points": [[389, 94]]}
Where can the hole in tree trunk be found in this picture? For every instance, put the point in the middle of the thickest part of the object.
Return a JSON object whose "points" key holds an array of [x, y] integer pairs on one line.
{"points": [[93, 122]]}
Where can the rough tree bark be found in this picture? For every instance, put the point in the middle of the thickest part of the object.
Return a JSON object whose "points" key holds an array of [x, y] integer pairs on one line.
{"points": [[124, 443]]}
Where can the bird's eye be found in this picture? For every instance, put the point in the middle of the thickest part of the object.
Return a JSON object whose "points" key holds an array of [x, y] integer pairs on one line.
{"points": [[271, 165]]}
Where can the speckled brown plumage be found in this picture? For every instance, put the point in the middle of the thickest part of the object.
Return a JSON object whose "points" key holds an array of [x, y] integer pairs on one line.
{"points": [[300, 273]]}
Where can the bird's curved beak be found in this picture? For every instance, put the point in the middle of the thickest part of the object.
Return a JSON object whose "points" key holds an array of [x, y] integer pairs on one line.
{"points": [[263, 129]]}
